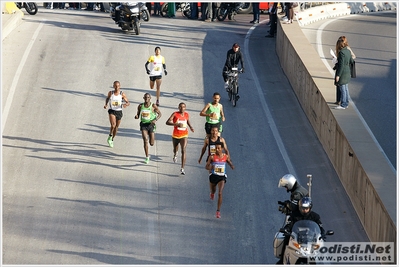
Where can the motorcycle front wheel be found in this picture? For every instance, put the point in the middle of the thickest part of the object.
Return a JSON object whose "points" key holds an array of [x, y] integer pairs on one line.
{"points": [[136, 26], [221, 14], [30, 7], [164, 9], [187, 13], [145, 15]]}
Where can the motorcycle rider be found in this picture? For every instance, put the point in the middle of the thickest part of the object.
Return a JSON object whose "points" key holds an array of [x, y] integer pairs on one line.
{"points": [[304, 212], [233, 57], [297, 192]]}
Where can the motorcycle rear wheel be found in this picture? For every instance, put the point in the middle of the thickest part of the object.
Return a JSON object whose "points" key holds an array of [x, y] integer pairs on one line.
{"points": [[221, 14], [30, 7]]}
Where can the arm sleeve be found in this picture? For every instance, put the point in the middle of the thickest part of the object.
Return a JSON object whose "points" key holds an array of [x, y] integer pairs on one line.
{"points": [[146, 66]]}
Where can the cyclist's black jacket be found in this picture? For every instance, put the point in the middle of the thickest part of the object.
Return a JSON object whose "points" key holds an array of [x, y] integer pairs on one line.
{"points": [[233, 58]]}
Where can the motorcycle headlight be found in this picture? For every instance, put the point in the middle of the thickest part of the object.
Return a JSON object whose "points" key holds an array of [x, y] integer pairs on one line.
{"points": [[134, 10], [296, 245]]}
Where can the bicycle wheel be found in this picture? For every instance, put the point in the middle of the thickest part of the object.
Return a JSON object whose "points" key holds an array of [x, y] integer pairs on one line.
{"points": [[234, 94]]}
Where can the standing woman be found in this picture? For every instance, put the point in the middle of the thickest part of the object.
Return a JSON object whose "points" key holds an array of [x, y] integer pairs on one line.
{"points": [[338, 92], [114, 104], [289, 9], [342, 72], [157, 66]]}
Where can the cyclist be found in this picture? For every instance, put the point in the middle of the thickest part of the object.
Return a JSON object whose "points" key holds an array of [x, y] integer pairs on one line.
{"points": [[234, 56]]}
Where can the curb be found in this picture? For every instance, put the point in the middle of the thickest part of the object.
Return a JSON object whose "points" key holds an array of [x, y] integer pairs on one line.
{"points": [[9, 21]]}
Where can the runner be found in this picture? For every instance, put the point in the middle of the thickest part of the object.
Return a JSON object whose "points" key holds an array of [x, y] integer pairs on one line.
{"points": [[157, 65], [214, 114], [217, 178], [210, 143], [180, 119], [114, 104], [148, 114]]}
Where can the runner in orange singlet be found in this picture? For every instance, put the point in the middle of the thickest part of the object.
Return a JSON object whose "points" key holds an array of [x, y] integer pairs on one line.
{"points": [[180, 120]]}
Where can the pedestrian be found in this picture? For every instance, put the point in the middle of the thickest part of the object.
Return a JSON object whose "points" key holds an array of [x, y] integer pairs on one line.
{"points": [[256, 13], [157, 67], [214, 114], [194, 10], [335, 61], [210, 144], [115, 105], [289, 9], [157, 8], [273, 20], [342, 72], [180, 120], [148, 114], [216, 164]]}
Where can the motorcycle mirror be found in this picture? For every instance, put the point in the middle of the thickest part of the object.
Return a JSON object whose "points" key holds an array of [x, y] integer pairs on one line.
{"points": [[330, 232]]}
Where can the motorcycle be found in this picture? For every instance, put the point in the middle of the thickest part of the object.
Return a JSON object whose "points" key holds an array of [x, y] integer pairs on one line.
{"points": [[304, 244], [130, 14], [305, 237], [228, 10], [184, 7], [30, 7], [232, 90]]}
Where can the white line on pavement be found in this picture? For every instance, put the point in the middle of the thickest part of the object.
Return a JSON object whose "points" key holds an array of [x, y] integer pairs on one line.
{"points": [[14, 84]]}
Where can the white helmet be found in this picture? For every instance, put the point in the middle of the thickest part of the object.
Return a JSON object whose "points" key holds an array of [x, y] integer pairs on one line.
{"points": [[287, 181]]}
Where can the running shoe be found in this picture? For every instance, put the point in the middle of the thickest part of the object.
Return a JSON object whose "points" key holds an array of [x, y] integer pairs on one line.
{"points": [[109, 140], [182, 171], [175, 158], [111, 144], [218, 214], [157, 102], [147, 160], [212, 196]]}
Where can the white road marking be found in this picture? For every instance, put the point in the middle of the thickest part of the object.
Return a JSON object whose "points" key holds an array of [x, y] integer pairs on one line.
{"points": [[17, 75]]}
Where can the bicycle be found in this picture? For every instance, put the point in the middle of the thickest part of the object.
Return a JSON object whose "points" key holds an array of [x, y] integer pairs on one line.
{"points": [[232, 90]]}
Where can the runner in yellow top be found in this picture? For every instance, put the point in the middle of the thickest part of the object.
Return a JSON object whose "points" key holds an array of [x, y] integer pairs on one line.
{"points": [[155, 71], [180, 120]]}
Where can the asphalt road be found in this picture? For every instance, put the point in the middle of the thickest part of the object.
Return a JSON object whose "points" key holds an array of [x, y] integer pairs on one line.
{"points": [[70, 199], [373, 38]]}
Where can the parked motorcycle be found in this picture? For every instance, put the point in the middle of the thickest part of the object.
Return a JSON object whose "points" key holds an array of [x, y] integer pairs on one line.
{"points": [[228, 10], [128, 15], [30, 7], [183, 7]]}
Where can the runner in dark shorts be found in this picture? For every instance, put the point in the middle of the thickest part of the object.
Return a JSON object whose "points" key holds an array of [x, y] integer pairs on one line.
{"points": [[153, 78], [117, 113], [149, 127], [215, 179]]}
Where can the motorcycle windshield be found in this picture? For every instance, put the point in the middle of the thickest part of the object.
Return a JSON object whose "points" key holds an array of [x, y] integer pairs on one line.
{"points": [[306, 231]]}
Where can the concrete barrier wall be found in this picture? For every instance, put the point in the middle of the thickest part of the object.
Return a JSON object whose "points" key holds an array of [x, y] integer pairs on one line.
{"points": [[312, 83], [311, 15]]}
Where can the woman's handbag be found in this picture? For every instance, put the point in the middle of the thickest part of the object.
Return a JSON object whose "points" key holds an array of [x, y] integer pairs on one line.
{"points": [[352, 66]]}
